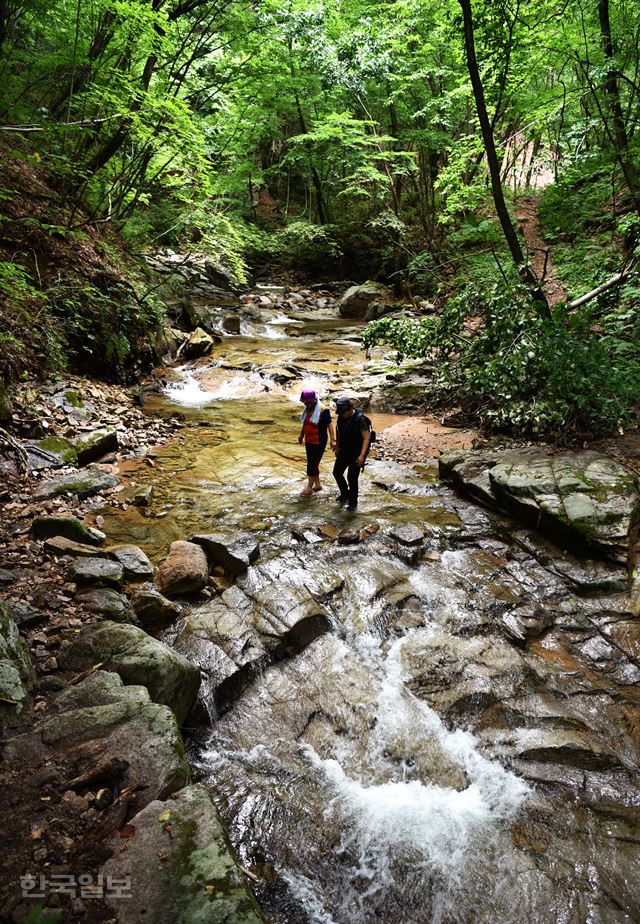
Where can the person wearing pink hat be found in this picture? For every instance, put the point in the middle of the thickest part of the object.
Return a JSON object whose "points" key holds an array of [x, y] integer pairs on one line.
{"points": [[316, 425]]}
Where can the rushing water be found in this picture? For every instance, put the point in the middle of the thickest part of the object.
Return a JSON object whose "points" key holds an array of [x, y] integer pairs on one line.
{"points": [[386, 748]]}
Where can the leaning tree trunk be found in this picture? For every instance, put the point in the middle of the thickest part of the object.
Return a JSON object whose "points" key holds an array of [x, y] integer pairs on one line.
{"points": [[619, 134], [510, 234]]}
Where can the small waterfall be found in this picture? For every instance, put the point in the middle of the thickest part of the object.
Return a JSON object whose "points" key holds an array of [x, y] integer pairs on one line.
{"points": [[437, 829], [188, 391]]}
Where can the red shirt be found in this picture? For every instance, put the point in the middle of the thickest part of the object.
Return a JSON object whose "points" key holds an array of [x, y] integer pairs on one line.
{"points": [[310, 430]]}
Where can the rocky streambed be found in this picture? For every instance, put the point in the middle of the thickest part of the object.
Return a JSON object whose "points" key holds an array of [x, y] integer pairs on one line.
{"points": [[426, 711]]}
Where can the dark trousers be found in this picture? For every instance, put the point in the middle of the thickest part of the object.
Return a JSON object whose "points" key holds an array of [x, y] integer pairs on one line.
{"points": [[348, 464], [314, 454]]}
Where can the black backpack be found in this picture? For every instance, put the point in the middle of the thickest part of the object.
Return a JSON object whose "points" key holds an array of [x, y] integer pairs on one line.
{"points": [[372, 433]]}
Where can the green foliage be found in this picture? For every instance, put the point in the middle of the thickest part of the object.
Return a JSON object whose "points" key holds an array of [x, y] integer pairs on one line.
{"points": [[521, 372], [39, 915]]}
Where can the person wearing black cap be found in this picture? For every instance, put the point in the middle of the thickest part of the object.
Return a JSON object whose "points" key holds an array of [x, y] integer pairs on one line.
{"points": [[352, 442]]}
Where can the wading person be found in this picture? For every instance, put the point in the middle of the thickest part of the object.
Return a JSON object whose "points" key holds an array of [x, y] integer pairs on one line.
{"points": [[352, 443], [316, 426]]}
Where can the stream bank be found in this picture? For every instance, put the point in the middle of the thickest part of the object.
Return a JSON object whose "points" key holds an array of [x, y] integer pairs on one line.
{"points": [[435, 720]]}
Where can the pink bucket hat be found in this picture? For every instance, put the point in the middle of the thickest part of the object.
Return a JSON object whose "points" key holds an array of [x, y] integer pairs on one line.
{"points": [[308, 395]]}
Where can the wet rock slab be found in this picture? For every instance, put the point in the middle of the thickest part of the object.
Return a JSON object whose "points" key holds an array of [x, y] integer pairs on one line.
{"points": [[273, 611]]}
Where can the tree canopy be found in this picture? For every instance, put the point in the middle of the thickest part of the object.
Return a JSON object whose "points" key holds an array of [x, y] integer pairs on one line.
{"points": [[387, 138]]}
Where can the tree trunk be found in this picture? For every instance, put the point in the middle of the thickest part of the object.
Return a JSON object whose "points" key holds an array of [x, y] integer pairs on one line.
{"points": [[619, 133], [511, 237]]}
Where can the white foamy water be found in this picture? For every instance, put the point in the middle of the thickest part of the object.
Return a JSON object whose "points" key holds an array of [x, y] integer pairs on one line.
{"points": [[435, 827], [188, 392]]}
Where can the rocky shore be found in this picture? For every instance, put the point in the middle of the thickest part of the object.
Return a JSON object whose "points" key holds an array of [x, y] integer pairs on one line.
{"points": [[94, 776]]}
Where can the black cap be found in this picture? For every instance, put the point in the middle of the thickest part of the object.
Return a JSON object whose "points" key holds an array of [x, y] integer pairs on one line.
{"points": [[343, 404]]}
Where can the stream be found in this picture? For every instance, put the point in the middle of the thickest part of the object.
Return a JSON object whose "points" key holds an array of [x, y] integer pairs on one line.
{"points": [[382, 740]]}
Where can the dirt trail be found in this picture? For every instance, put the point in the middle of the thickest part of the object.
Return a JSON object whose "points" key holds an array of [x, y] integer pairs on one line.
{"points": [[538, 251]]}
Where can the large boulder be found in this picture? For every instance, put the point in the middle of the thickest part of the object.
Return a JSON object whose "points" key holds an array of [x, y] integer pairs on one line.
{"points": [[356, 300], [199, 344], [181, 866], [68, 527], [584, 500], [93, 480], [16, 670], [233, 554], [185, 570], [139, 659], [94, 445]]}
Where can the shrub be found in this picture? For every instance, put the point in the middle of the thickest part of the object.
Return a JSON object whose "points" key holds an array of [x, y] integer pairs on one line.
{"points": [[521, 372]]}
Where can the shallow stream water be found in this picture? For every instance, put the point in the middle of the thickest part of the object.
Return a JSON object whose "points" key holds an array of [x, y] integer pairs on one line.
{"points": [[392, 745]]}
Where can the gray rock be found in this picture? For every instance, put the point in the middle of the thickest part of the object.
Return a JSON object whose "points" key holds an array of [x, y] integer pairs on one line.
{"points": [[101, 688], [7, 577], [273, 611], [136, 564], [92, 480], [107, 603], [16, 671], [26, 615], [234, 554], [408, 534], [185, 570], [68, 527], [152, 608], [96, 571], [139, 659], [181, 867], [52, 452], [357, 299], [94, 445]]}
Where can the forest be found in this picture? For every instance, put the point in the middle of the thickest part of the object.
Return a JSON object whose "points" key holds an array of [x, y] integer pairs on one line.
{"points": [[396, 141]]}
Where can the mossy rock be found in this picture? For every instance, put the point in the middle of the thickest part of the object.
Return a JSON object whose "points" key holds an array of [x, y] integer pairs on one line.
{"points": [[73, 397], [92, 480], [182, 866], [62, 448], [16, 670], [68, 527], [92, 446], [140, 659]]}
